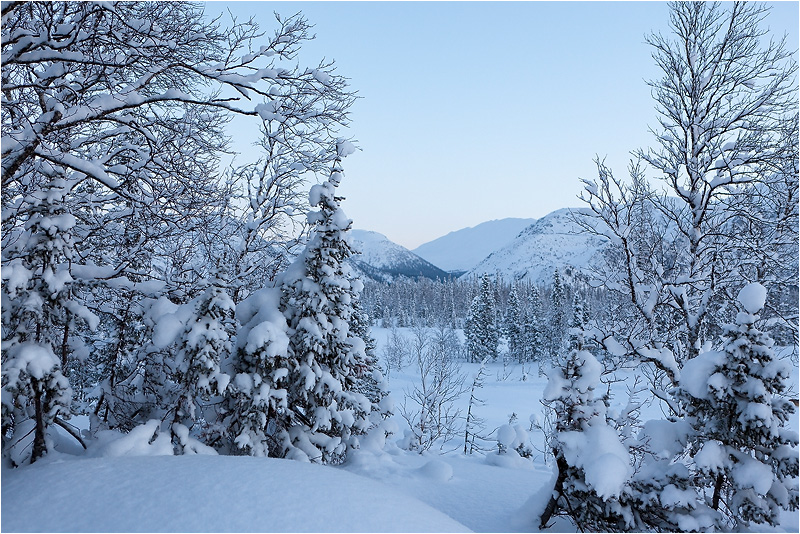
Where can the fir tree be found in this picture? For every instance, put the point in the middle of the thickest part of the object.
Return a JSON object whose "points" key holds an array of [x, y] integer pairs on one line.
{"points": [[204, 343], [514, 327], [254, 418], [579, 425], [558, 318], [533, 336]]}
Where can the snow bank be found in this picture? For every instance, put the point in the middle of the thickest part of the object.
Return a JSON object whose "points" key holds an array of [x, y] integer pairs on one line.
{"points": [[206, 494]]}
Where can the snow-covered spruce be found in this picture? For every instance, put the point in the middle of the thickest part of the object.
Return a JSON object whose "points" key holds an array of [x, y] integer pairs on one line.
{"points": [[204, 343], [533, 334], [37, 309], [733, 400], [253, 417], [514, 327], [481, 328], [324, 411], [593, 466]]}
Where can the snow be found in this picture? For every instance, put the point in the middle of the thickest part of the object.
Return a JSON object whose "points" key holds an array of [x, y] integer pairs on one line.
{"points": [[751, 473], [604, 460], [344, 148], [437, 470], [463, 249], [441, 490], [207, 494], [697, 372], [32, 358], [552, 242], [665, 439], [711, 457], [753, 297], [506, 435]]}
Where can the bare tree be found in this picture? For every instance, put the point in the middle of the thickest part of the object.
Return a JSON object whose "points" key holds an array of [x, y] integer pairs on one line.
{"points": [[722, 102], [126, 104], [429, 408]]}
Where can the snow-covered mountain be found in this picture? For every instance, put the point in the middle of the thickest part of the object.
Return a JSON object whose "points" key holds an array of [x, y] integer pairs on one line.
{"points": [[385, 260], [554, 241], [464, 249]]}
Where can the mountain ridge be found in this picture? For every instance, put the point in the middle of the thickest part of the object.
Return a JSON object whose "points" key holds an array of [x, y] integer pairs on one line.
{"points": [[461, 250], [381, 259], [555, 241]]}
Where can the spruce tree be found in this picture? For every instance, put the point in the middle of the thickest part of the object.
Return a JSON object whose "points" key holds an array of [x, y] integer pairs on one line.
{"points": [[36, 309], [558, 317], [204, 343], [734, 401], [514, 327], [533, 336], [254, 416], [481, 327], [325, 412], [589, 484]]}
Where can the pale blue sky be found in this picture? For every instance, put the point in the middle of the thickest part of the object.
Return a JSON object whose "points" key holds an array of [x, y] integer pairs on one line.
{"points": [[473, 111]]}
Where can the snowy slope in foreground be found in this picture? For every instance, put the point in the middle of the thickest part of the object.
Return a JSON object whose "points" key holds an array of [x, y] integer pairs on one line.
{"points": [[464, 249], [382, 259], [206, 494], [554, 241]]}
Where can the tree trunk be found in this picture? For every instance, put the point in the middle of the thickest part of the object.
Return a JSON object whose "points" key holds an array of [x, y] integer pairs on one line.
{"points": [[558, 489], [717, 491], [39, 443], [65, 348]]}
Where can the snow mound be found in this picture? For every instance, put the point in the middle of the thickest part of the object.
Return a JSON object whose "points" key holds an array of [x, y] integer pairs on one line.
{"points": [[206, 494], [437, 470], [753, 297]]}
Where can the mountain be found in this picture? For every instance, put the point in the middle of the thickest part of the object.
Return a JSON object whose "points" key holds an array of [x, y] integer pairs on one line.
{"points": [[385, 260], [464, 249], [554, 241]]}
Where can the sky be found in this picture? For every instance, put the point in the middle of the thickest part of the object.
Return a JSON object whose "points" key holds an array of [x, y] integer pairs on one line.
{"points": [[474, 111]]}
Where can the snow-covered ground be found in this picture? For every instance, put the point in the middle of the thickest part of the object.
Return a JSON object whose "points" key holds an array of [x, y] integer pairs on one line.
{"points": [[382, 487]]}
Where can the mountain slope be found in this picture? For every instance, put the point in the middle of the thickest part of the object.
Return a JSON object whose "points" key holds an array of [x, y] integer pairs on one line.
{"points": [[464, 249], [385, 260], [554, 241]]}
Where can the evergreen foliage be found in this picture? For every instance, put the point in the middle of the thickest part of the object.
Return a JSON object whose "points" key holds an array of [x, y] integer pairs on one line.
{"points": [[733, 400], [325, 412], [480, 328], [36, 311], [514, 327]]}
